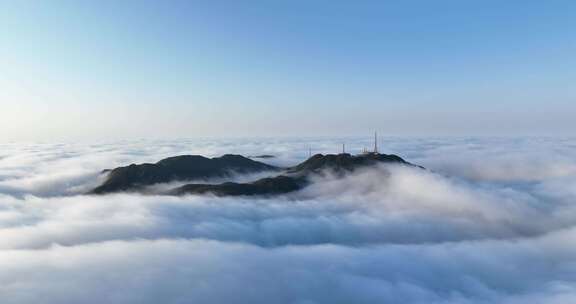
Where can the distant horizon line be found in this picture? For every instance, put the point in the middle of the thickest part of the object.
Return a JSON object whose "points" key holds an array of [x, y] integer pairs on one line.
{"points": [[271, 137]]}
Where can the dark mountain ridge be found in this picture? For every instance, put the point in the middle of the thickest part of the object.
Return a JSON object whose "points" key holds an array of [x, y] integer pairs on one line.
{"points": [[297, 177], [343, 162], [197, 167], [265, 186], [178, 168]]}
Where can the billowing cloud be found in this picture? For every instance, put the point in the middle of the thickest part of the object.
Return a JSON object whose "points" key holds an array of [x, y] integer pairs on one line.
{"points": [[461, 232]]}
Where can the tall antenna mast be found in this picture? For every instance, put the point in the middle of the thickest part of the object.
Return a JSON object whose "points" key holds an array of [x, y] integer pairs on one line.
{"points": [[343, 148], [375, 142], [309, 152]]}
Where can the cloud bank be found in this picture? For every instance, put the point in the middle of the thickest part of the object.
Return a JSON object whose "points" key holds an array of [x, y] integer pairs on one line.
{"points": [[492, 221]]}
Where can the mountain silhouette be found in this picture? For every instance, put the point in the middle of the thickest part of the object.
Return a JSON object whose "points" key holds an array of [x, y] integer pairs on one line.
{"points": [[178, 168], [297, 177], [343, 162], [189, 167]]}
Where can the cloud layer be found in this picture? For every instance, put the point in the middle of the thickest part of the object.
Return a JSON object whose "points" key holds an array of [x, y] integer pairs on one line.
{"points": [[492, 221]]}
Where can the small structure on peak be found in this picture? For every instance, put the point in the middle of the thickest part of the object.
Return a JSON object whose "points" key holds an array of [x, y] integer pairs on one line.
{"points": [[365, 151], [375, 142]]}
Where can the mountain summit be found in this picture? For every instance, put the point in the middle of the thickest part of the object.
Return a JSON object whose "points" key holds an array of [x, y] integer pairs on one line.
{"points": [[183, 168], [178, 168], [295, 178], [343, 162]]}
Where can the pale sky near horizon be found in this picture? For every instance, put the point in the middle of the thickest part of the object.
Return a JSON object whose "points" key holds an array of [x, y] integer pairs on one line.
{"points": [[132, 69]]}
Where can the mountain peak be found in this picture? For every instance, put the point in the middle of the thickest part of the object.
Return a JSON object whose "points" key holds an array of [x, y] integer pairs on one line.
{"points": [[190, 167], [343, 162], [177, 168]]}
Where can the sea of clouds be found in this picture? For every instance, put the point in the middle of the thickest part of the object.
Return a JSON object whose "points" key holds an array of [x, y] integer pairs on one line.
{"points": [[491, 220]]}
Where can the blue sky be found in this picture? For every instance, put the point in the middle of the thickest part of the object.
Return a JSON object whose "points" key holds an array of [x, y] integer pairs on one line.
{"points": [[131, 69]]}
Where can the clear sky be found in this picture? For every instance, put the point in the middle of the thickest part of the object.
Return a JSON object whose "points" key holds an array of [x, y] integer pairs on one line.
{"points": [[131, 69]]}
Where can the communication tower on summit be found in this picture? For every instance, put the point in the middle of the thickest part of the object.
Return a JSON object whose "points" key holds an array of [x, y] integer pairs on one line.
{"points": [[375, 142], [365, 150]]}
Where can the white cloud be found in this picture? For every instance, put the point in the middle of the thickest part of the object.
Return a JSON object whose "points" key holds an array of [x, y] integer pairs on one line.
{"points": [[390, 234]]}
